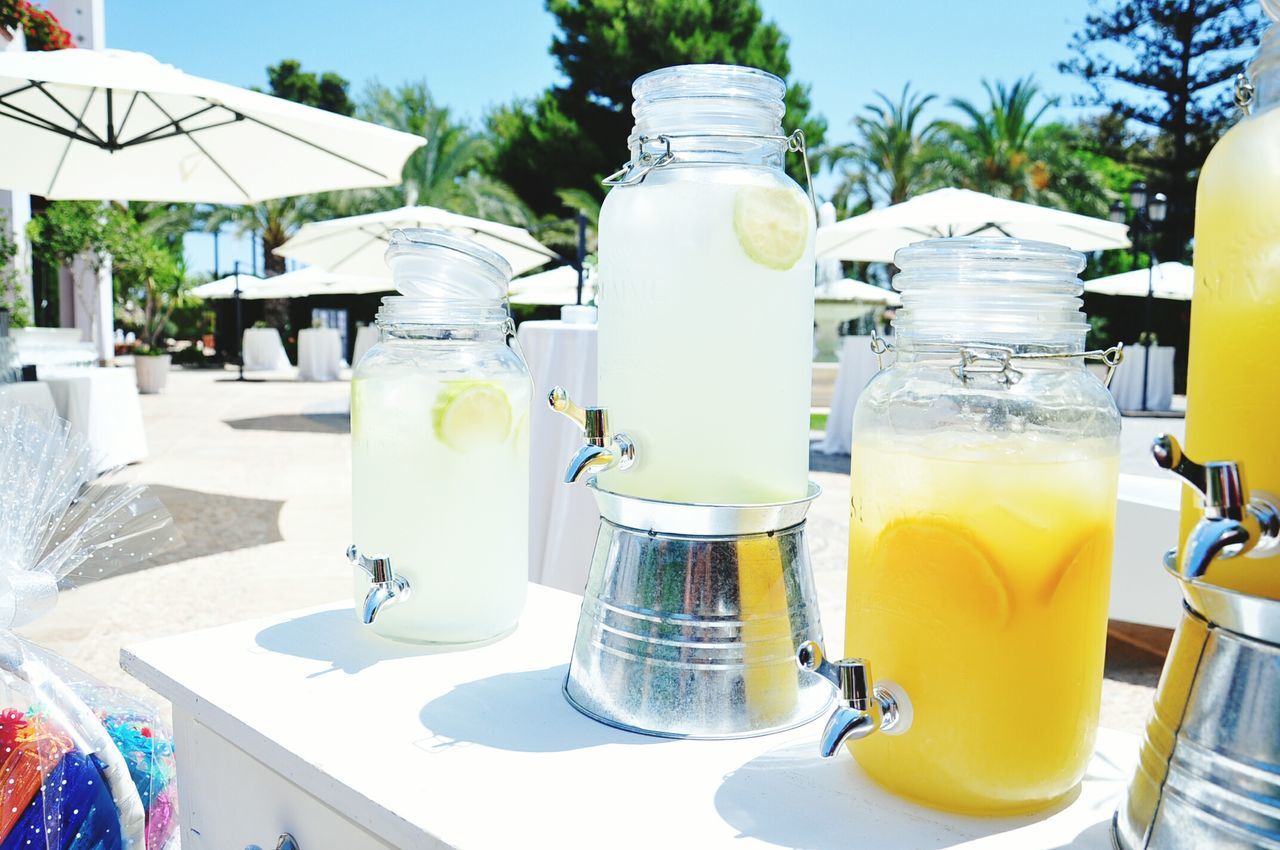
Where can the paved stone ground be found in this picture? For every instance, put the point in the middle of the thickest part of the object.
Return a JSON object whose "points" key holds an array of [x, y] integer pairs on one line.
{"points": [[258, 477]]}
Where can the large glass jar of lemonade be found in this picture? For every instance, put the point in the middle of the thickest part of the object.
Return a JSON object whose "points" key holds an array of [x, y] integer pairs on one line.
{"points": [[440, 446], [706, 306], [1233, 380], [984, 475]]}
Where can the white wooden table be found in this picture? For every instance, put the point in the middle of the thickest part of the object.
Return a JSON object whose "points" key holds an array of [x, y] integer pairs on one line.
{"points": [[308, 724]]}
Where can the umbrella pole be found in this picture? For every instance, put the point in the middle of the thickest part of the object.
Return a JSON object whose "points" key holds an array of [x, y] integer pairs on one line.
{"points": [[239, 326], [1147, 310], [582, 252]]}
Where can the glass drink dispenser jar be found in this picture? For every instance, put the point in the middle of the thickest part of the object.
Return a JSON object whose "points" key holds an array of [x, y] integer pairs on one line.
{"points": [[984, 475], [706, 305], [440, 449], [1233, 377]]}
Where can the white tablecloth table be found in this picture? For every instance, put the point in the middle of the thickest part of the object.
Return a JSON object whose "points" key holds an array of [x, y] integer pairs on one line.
{"points": [[562, 517], [366, 336], [858, 365], [263, 351], [102, 404], [1126, 384], [319, 354], [33, 393], [479, 749]]}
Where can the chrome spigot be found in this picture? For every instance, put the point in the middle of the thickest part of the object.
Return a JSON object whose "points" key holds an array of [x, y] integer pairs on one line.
{"points": [[1234, 522], [601, 450], [387, 589], [861, 707]]}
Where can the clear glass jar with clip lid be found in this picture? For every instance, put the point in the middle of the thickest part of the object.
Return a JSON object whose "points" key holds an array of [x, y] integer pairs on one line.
{"points": [[706, 305], [984, 475], [440, 449]]}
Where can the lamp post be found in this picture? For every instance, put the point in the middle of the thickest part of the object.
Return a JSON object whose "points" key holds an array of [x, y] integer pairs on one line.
{"points": [[1144, 214]]}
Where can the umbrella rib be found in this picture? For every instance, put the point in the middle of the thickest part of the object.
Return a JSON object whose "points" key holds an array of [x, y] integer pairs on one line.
{"points": [[17, 113], [127, 113], [62, 160], [150, 136], [320, 148], [175, 124], [79, 119], [248, 198]]}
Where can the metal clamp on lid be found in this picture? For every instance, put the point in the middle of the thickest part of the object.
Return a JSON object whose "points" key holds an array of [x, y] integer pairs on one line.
{"points": [[388, 588], [861, 707], [1234, 522], [602, 450]]}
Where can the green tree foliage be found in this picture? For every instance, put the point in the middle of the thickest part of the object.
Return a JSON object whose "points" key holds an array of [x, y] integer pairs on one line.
{"points": [[327, 91], [1163, 64], [10, 296], [446, 172], [897, 154], [274, 221], [1004, 147], [573, 135]]}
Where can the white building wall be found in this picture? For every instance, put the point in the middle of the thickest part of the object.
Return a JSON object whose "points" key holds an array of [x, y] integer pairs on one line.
{"points": [[15, 212]]}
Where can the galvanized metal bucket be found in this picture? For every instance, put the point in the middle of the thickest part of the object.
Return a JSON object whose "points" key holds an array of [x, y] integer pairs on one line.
{"points": [[1209, 769], [692, 617]]}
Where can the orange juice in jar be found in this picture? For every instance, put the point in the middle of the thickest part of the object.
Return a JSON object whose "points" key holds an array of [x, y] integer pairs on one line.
{"points": [[984, 475]]}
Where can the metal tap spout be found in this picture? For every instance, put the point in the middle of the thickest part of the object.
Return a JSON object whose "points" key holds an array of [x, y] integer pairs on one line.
{"points": [[600, 450], [862, 708], [387, 587], [1234, 522]]}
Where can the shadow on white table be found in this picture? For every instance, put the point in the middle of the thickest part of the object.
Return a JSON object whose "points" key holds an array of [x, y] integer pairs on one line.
{"points": [[562, 517], [858, 365], [319, 354], [263, 351], [102, 404], [1126, 384]]}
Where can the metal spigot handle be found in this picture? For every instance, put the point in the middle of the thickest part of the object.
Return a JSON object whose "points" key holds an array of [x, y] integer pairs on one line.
{"points": [[862, 708], [1234, 522], [560, 402], [601, 450]]}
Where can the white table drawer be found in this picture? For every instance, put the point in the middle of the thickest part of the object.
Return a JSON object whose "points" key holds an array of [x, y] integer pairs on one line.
{"points": [[231, 801]]}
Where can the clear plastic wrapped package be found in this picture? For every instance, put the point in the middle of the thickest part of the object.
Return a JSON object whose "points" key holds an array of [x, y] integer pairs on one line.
{"points": [[85, 766]]}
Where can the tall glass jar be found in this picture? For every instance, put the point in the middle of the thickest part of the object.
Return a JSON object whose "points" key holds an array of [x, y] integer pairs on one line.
{"points": [[440, 449], [1234, 358], [706, 307], [984, 475]]}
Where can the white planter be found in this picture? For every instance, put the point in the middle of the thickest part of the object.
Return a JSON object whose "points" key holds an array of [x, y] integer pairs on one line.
{"points": [[152, 372]]}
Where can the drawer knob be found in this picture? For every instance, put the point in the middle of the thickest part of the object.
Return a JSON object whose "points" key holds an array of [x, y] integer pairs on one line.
{"points": [[284, 842]]}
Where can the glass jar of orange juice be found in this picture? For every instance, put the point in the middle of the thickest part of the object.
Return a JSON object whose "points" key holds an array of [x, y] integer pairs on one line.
{"points": [[984, 475]]}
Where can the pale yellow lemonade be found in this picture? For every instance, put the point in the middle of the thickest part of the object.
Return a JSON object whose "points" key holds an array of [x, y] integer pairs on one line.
{"points": [[706, 334], [439, 466], [979, 569], [1233, 380]]}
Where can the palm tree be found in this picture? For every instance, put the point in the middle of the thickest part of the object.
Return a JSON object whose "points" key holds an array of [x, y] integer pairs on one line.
{"points": [[446, 172], [898, 154], [1005, 149], [273, 221]]}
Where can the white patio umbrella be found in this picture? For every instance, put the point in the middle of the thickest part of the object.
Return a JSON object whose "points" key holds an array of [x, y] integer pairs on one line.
{"points": [[226, 287], [873, 237], [848, 289], [558, 286], [1171, 281], [103, 124], [355, 245]]}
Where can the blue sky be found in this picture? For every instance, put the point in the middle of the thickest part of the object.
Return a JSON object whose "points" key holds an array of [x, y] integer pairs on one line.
{"points": [[480, 53]]}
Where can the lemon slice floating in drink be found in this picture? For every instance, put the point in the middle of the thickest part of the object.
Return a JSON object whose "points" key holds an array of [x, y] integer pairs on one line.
{"points": [[471, 415], [772, 224]]}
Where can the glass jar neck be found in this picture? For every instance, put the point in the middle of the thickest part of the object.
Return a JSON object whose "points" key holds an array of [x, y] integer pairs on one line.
{"points": [[996, 293], [402, 317], [1264, 71], [709, 113]]}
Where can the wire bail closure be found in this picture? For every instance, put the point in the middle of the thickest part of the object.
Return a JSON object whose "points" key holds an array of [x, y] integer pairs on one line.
{"points": [[1244, 93], [634, 173], [981, 359]]}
